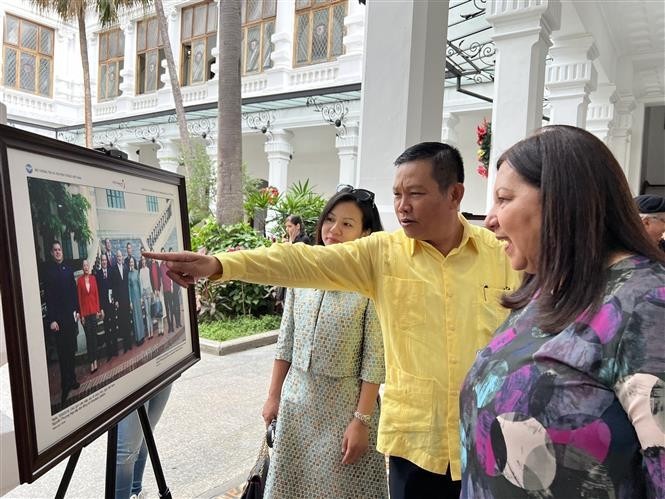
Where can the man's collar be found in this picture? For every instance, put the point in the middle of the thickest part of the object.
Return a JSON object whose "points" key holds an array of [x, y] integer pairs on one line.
{"points": [[468, 235]]}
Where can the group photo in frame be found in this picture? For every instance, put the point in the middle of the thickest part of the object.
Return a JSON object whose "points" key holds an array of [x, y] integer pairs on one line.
{"points": [[93, 328]]}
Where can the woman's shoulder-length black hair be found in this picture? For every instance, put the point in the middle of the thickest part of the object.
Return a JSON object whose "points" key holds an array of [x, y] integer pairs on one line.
{"points": [[588, 214], [371, 218]]}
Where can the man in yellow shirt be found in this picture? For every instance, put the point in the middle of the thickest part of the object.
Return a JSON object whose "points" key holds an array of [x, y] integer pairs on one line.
{"points": [[436, 285]]}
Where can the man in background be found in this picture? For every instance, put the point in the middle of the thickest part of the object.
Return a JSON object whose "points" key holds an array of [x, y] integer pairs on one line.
{"points": [[652, 213]]}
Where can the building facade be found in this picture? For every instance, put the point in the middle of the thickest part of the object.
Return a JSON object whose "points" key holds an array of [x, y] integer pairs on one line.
{"points": [[333, 90]]}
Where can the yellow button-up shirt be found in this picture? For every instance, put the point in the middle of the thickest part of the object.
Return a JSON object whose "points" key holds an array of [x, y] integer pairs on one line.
{"points": [[435, 311]]}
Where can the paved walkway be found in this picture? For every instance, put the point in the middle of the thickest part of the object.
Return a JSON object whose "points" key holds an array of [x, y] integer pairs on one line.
{"points": [[207, 439]]}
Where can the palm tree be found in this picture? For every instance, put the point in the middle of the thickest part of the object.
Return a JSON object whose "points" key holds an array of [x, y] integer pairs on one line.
{"points": [[185, 146], [68, 10], [229, 137]]}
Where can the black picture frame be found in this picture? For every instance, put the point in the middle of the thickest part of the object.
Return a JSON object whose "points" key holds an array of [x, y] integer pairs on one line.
{"points": [[48, 431]]}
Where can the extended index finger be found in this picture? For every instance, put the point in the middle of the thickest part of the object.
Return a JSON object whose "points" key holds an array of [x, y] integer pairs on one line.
{"points": [[180, 256]]}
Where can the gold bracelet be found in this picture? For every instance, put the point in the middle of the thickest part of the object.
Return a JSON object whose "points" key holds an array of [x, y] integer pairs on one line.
{"points": [[363, 418]]}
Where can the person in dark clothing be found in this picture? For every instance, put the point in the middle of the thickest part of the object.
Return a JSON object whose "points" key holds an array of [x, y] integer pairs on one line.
{"points": [[295, 230], [105, 288], [652, 213], [120, 286], [62, 315]]}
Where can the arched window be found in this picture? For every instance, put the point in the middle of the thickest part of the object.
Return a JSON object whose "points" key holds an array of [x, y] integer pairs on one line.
{"points": [[258, 25], [319, 30], [149, 56], [111, 60], [198, 36]]}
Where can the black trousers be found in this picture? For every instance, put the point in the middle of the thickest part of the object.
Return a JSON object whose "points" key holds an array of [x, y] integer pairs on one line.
{"points": [[408, 481]]}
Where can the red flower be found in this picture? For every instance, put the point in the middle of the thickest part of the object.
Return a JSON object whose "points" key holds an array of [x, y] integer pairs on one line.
{"points": [[482, 170]]}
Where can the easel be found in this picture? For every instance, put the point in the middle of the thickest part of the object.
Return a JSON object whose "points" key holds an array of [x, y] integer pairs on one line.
{"points": [[111, 450]]}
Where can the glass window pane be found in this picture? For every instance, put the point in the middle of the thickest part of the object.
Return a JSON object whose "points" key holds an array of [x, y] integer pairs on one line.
{"points": [[44, 76], [198, 61], [269, 8], [337, 46], [268, 30], [253, 10], [27, 72], [151, 71], [102, 82], [211, 44], [253, 49], [45, 41], [199, 19], [152, 34], [113, 80], [11, 33], [103, 46], [113, 43], [10, 67], [140, 71], [140, 36], [301, 4], [160, 69], [243, 48], [29, 35], [320, 1], [121, 43], [121, 64], [212, 18], [186, 24], [302, 38], [186, 64], [320, 36]]}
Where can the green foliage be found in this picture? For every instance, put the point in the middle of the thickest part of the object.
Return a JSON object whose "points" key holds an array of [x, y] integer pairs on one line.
{"points": [[56, 212], [260, 199], [200, 183], [300, 199], [234, 298], [236, 328]]}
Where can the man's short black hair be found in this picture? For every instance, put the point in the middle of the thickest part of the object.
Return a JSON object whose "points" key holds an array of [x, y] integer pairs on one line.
{"points": [[446, 161]]}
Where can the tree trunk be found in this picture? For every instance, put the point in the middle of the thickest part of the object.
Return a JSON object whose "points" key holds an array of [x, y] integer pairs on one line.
{"points": [[185, 147], [87, 95], [229, 125]]}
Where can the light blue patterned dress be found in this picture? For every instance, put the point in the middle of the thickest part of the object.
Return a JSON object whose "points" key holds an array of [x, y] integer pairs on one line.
{"points": [[134, 284], [576, 414], [333, 341]]}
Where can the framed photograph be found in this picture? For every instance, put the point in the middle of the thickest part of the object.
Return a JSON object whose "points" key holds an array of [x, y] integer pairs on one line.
{"points": [[93, 329]]}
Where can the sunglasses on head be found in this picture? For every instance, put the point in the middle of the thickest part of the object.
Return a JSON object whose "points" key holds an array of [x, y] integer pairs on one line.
{"points": [[361, 195]]}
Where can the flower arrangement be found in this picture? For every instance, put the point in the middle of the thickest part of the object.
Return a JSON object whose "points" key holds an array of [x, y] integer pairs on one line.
{"points": [[484, 140]]}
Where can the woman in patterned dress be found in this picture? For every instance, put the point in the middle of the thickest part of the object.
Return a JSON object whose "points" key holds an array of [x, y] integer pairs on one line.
{"points": [[326, 375], [568, 398]]}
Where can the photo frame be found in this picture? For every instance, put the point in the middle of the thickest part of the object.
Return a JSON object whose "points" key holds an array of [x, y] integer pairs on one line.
{"points": [[93, 329]]}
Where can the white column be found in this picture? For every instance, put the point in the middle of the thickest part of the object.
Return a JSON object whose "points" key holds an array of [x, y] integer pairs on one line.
{"points": [[168, 155], [622, 123], [448, 132], [164, 94], [522, 37], [570, 77], [347, 152], [601, 111], [128, 85], [351, 62], [279, 151], [93, 61], [402, 92], [65, 78], [282, 39]]}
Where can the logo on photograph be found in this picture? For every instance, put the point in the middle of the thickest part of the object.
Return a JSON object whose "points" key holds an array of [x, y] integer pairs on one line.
{"points": [[28, 168], [119, 183]]}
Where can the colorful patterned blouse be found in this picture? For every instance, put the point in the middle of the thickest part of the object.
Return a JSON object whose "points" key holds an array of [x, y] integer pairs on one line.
{"points": [[577, 414]]}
